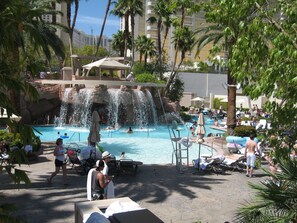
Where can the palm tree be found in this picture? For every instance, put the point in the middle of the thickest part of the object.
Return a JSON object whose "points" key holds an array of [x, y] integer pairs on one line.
{"points": [[120, 11], [21, 24], [139, 45], [276, 199], [71, 23], [146, 47], [118, 43], [223, 33], [183, 40], [129, 9], [163, 10], [185, 7], [103, 25]]}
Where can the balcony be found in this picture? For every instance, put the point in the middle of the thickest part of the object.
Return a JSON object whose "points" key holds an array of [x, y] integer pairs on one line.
{"points": [[151, 28]]}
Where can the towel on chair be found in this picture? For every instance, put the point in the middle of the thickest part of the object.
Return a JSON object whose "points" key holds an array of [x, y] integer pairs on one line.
{"points": [[89, 184]]}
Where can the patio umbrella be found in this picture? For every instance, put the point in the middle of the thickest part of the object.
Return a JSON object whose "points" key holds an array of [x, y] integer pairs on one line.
{"points": [[197, 99], [94, 135], [200, 131]]}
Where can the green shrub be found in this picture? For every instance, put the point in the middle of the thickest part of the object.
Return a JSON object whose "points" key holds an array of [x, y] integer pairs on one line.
{"points": [[183, 108], [176, 90], [185, 117], [146, 78], [14, 139], [244, 131], [56, 76], [217, 102]]}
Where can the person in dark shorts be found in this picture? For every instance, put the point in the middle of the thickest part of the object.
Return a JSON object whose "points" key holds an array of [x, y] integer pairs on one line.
{"points": [[60, 161]]}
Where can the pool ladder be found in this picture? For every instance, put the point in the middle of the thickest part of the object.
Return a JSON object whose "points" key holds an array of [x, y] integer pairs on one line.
{"points": [[180, 157]]}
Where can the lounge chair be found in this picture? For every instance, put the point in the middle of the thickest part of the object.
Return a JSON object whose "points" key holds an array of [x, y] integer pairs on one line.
{"points": [[4, 158], [262, 124], [234, 147], [128, 166]]}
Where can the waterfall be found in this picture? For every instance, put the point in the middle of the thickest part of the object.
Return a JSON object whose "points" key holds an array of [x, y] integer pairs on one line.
{"points": [[123, 104], [113, 106], [140, 108], [79, 113], [64, 108], [81, 107], [152, 107]]}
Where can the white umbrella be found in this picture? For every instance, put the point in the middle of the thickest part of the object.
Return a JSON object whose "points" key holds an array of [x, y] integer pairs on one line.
{"points": [[198, 99], [12, 116], [200, 131], [94, 135], [107, 63]]}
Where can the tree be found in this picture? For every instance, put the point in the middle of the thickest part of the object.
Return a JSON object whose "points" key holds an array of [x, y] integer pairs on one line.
{"points": [[264, 61], [129, 9], [267, 52], [103, 25], [163, 10], [185, 7], [276, 199], [21, 25], [118, 43], [223, 31], [183, 40], [146, 47]]}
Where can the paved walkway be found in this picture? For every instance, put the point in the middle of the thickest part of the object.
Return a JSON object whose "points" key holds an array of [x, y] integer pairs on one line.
{"points": [[173, 197]]}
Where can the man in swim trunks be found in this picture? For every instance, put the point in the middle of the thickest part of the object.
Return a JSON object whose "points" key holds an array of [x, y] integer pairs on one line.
{"points": [[250, 150]]}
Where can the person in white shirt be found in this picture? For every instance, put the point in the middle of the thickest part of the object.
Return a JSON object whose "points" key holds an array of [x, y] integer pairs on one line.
{"points": [[109, 191], [130, 77], [60, 162]]}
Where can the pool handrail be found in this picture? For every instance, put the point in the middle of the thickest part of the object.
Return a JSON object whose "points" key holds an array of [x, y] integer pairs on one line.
{"points": [[74, 134]]}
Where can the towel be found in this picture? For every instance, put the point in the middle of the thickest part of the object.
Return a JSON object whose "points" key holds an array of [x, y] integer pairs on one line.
{"points": [[110, 190], [119, 207], [89, 184], [95, 217]]}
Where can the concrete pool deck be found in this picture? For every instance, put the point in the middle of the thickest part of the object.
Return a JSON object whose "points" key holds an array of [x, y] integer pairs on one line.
{"points": [[170, 195]]}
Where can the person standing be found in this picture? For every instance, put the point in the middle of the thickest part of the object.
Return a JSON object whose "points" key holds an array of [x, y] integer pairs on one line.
{"points": [[250, 154], [60, 161]]}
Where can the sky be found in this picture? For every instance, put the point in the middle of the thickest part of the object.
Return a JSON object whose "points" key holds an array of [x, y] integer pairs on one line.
{"points": [[91, 15]]}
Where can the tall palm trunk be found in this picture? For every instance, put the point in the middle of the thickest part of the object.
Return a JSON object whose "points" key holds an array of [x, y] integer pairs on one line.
{"points": [[165, 38], [132, 37], [126, 34], [103, 26], [160, 47], [15, 96], [231, 112], [71, 26]]}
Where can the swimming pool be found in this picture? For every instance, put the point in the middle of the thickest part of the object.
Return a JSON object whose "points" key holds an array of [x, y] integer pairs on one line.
{"points": [[150, 145]]}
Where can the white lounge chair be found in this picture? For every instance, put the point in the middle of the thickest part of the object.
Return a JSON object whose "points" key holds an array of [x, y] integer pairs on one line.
{"points": [[262, 124]]}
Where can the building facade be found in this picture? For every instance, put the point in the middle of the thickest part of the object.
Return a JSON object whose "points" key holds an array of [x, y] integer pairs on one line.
{"points": [[80, 38], [143, 27]]}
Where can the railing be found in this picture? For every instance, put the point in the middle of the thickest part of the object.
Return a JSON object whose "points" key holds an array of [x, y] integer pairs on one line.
{"points": [[74, 135], [218, 143]]}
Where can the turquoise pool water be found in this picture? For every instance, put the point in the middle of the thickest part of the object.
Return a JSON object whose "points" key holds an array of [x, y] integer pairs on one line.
{"points": [[150, 145]]}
